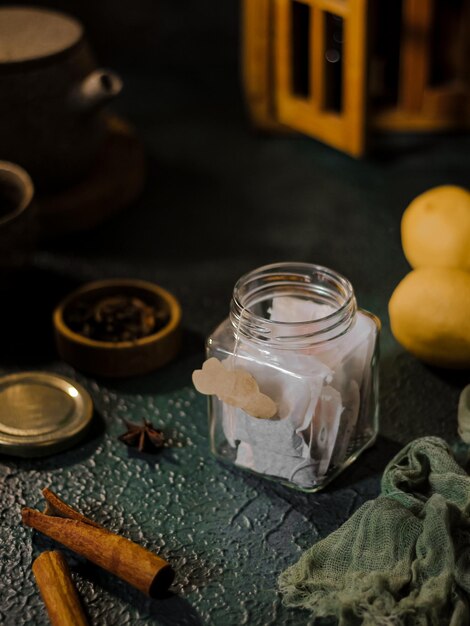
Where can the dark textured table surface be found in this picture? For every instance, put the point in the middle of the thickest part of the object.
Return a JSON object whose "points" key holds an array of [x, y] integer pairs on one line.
{"points": [[219, 201]]}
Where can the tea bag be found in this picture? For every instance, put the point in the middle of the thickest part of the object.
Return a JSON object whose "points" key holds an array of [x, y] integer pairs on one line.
{"points": [[292, 309], [295, 398], [351, 403], [358, 341], [350, 358], [324, 428], [295, 469]]}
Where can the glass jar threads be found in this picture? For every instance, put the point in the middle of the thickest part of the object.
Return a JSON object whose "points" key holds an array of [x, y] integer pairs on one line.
{"points": [[296, 329]]}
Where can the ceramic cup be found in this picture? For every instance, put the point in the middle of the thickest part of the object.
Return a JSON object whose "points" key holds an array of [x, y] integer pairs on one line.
{"points": [[17, 223]]}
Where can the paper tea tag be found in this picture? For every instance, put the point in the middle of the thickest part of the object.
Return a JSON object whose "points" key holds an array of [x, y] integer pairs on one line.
{"points": [[235, 387]]}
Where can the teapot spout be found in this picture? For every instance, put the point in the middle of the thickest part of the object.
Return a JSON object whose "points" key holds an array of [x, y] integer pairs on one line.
{"points": [[96, 89]]}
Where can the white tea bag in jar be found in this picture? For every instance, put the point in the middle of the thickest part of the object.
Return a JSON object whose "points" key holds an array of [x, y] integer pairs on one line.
{"points": [[296, 398], [297, 470], [324, 428]]}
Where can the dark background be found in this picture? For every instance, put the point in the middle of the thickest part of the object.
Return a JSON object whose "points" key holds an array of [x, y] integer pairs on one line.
{"points": [[216, 189], [220, 199]]}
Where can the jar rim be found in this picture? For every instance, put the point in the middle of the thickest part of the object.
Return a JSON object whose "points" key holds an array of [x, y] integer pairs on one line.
{"points": [[301, 274]]}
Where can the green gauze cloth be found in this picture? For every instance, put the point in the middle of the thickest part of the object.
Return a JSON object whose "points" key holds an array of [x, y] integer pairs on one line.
{"points": [[402, 559]]}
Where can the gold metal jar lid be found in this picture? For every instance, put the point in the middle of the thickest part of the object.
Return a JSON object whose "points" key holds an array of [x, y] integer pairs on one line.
{"points": [[41, 413]]}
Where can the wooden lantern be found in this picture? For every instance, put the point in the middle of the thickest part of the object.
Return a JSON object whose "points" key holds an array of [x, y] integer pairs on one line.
{"points": [[338, 69]]}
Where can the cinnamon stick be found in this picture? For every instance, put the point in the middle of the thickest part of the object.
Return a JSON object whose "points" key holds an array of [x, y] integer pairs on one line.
{"points": [[139, 567], [56, 506], [57, 590]]}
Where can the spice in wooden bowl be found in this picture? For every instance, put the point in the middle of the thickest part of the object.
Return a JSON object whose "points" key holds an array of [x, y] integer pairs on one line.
{"points": [[118, 328], [116, 318]]}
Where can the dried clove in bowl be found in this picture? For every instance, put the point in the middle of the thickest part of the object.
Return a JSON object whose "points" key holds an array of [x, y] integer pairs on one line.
{"points": [[116, 318], [118, 327]]}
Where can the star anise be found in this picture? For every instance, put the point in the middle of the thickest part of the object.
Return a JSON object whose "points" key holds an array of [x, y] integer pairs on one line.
{"points": [[143, 436]]}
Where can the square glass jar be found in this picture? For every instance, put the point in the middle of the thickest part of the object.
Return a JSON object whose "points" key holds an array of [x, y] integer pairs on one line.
{"points": [[296, 328]]}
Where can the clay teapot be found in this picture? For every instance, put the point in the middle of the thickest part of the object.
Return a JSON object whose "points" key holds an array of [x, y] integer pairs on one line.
{"points": [[51, 95]]}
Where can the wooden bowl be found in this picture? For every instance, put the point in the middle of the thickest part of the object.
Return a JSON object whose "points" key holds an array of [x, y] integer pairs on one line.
{"points": [[119, 358]]}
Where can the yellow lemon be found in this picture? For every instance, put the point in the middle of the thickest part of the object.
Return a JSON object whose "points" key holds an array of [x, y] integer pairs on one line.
{"points": [[430, 315], [435, 228]]}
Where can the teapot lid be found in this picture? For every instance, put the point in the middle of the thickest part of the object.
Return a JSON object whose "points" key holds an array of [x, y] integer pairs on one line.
{"points": [[28, 34]]}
